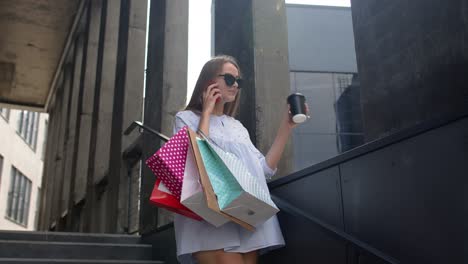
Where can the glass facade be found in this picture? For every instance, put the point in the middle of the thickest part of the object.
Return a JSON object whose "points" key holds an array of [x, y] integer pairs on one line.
{"points": [[335, 125], [19, 196]]}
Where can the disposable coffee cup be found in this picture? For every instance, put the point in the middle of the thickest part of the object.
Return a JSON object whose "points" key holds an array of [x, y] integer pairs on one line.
{"points": [[297, 107]]}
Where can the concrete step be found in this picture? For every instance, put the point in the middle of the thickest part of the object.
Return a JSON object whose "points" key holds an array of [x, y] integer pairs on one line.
{"points": [[73, 261], [73, 250], [69, 237]]}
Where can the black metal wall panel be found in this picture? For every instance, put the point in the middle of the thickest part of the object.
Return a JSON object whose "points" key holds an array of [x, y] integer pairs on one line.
{"points": [[364, 258], [164, 244], [402, 199], [318, 194], [410, 199], [306, 243], [412, 61]]}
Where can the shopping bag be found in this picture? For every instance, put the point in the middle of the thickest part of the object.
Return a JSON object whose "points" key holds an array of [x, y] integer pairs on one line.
{"points": [[168, 163], [210, 197], [161, 197], [193, 196], [239, 193]]}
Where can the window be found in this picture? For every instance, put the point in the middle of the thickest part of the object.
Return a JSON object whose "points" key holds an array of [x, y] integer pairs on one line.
{"points": [[336, 122], [27, 127], [5, 113], [18, 198]]}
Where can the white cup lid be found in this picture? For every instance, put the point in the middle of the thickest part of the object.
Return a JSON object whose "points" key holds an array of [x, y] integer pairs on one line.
{"points": [[299, 118]]}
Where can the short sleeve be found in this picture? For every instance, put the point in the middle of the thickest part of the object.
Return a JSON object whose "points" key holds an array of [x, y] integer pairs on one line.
{"points": [[185, 118], [178, 124]]}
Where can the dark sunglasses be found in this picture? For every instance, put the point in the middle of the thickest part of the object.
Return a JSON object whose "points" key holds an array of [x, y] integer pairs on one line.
{"points": [[230, 80]]}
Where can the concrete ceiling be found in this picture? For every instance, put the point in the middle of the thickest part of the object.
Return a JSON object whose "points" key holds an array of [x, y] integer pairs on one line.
{"points": [[33, 36]]}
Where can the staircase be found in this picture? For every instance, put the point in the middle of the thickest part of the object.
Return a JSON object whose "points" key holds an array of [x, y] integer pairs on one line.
{"points": [[73, 248]]}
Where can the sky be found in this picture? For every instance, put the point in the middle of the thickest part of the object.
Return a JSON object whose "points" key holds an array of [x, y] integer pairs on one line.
{"points": [[199, 38]]}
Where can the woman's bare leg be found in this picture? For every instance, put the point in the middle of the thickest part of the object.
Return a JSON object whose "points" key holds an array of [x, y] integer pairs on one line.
{"points": [[250, 257], [218, 257]]}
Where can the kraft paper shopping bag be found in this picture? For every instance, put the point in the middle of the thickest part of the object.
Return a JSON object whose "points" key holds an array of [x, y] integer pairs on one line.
{"points": [[193, 196]]}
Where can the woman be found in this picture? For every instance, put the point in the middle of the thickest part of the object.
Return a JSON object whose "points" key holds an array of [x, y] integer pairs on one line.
{"points": [[211, 109]]}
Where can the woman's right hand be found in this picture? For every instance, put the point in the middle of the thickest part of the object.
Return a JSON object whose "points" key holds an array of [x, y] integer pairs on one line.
{"points": [[210, 96]]}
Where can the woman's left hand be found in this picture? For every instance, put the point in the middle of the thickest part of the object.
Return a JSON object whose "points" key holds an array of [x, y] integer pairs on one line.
{"points": [[274, 154], [288, 116]]}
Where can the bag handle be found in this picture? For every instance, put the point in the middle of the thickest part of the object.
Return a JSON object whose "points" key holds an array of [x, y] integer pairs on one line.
{"points": [[207, 139]]}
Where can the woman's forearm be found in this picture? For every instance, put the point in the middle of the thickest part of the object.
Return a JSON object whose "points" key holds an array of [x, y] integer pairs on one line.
{"points": [[276, 150], [204, 124]]}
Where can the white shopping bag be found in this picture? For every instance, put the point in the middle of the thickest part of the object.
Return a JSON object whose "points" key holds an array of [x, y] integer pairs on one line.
{"points": [[192, 193]]}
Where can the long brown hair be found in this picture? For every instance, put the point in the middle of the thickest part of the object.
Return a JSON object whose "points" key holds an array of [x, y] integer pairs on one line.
{"points": [[210, 71]]}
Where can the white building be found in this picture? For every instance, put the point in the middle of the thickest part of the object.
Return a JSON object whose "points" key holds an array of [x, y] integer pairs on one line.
{"points": [[22, 137]]}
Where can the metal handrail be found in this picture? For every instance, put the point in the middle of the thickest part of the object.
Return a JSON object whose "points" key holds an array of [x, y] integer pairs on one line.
{"points": [[291, 209], [142, 127]]}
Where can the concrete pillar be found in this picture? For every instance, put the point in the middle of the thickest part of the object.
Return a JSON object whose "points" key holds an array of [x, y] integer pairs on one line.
{"points": [[73, 129], [132, 106], [271, 64], [175, 62], [56, 165], [66, 155], [63, 108], [89, 208], [49, 188], [166, 90], [174, 73], [152, 108], [86, 112], [111, 195], [255, 32], [104, 114], [47, 181]]}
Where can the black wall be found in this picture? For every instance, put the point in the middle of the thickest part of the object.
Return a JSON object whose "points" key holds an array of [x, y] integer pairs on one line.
{"points": [[404, 196], [401, 199], [412, 59]]}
